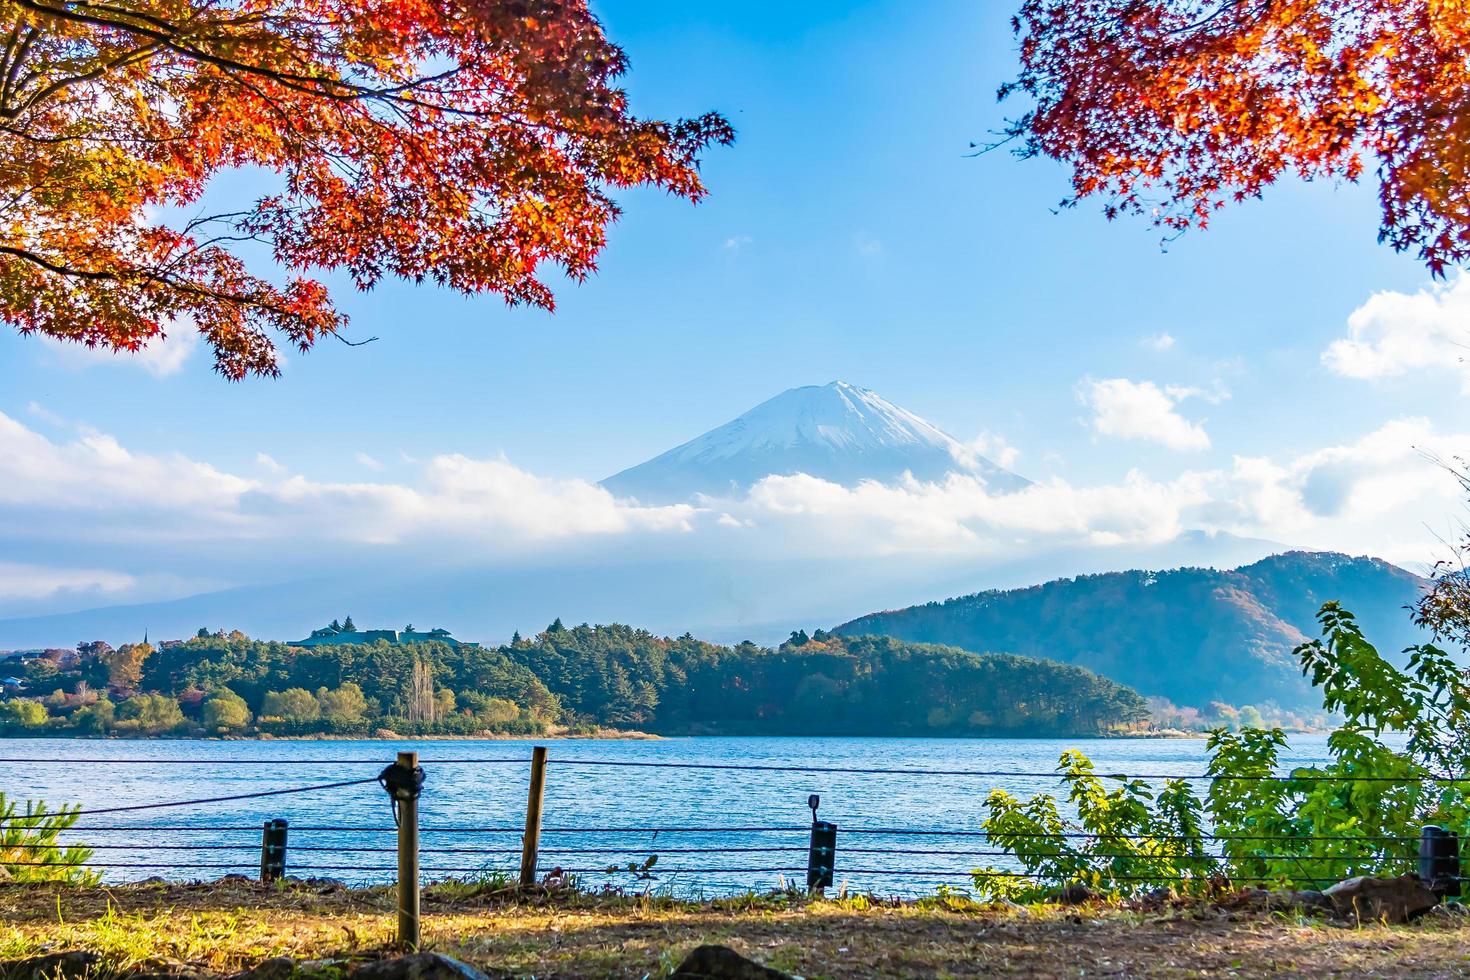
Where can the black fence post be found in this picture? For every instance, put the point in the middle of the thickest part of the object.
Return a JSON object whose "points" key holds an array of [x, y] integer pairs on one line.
{"points": [[272, 850], [821, 857], [1439, 861]]}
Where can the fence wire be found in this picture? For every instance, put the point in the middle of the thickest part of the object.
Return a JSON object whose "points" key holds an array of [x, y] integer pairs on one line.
{"points": [[713, 869]]}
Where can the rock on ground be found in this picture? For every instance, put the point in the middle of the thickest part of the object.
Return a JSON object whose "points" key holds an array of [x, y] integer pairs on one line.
{"points": [[418, 966], [1075, 894], [723, 963], [1382, 899], [71, 965], [1300, 900], [275, 968]]}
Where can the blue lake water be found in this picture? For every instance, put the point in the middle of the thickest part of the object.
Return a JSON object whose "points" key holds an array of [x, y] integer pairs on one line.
{"points": [[471, 811]]}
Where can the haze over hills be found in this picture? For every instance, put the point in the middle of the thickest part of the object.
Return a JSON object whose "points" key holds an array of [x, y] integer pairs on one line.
{"points": [[722, 599], [1192, 635], [745, 583], [836, 432]]}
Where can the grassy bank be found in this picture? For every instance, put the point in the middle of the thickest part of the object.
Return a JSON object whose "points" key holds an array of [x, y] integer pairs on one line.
{"points": [[222, 927]]}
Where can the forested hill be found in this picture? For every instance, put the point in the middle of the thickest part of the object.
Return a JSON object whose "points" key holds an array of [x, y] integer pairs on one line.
{"points": [[1192, 635], [823, 685], [579, 678]]}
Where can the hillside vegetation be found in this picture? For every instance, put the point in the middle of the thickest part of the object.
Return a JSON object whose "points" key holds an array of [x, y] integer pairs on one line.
{"points": [[580, 678], [829, 685], [1193, 635]]}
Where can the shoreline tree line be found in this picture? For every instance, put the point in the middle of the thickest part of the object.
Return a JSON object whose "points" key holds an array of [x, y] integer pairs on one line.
{"points": [[577, 679]]}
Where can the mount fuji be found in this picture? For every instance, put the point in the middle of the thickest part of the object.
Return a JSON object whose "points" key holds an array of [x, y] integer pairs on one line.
{"points": [[677, 583], [836, 432]]}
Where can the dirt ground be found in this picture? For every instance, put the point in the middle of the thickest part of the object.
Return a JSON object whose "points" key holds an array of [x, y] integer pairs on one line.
{"points": [[221, 928]]}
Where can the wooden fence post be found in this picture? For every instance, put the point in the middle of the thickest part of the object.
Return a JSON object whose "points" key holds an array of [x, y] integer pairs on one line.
{"points": [[531, 842], [408, 861]]}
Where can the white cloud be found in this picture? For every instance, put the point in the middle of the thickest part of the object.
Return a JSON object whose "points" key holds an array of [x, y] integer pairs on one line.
{"points": [[1158, 341], [90, 502], [45, 414], [94, 472], [162, 357], [167, 355], [21, 581], [1213, 395], [1395, 333], [1142, 410], [962, 514], [736, 242], [365, 460], [459, 495], [867, 244], [1374, 495], [993, 447], [93, 488]]}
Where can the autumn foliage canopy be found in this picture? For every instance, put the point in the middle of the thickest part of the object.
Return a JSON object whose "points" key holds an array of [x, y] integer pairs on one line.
{"points": [[464, 142], [1173, 108]]}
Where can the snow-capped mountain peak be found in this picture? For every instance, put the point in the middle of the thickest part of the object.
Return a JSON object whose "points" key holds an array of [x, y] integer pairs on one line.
{"points": [[837, 432]]}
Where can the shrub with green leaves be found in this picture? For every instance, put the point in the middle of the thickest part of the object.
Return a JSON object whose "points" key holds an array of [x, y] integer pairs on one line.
{"points": [[22, 715], [30, 847], [225, 712], [1359, 813], [1123, 839]]}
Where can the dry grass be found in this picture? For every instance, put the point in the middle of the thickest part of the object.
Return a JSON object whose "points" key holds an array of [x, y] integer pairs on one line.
{"points": [[222, 927]]}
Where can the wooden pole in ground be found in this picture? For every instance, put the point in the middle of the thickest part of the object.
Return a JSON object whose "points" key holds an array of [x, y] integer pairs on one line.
{"points": [[531, 842], [408, 862]]}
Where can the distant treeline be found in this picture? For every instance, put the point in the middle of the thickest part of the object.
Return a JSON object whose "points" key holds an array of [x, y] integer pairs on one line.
{"points": [[578, 678], [823, 684]]}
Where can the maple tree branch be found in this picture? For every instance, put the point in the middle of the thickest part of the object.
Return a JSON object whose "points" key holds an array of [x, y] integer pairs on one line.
{"points": [[1220, 11], [168, 36], [13, 66], [50, 266], [19, 196], [289, 125], [131, 57], [29, 137], [143, 277], [468, 143], [10, 44]]}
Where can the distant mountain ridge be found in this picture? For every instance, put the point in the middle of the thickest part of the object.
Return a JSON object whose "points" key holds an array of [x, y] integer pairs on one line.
{"points": [[1192, 635], [836, 432]]}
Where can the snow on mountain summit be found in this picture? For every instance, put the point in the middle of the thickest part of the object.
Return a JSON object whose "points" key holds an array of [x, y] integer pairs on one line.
{"points": [[839, 416], [837, 432]]}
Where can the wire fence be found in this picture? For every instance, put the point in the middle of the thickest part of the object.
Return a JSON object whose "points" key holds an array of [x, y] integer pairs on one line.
{"points": [[731, 855], [1301, 777]]}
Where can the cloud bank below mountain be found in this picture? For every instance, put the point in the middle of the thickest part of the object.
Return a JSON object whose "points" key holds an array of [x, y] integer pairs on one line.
{"points": [[89, 521]]}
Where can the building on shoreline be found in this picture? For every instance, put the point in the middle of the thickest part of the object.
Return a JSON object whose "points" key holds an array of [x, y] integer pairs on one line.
{"points": [[342, 635]]}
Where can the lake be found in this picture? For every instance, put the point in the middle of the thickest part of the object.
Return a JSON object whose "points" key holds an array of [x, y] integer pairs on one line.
{"points": [[479, 806]]}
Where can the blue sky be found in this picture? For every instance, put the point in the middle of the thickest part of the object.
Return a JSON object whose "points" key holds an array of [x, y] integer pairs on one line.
{"points": [[849, 234]]}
